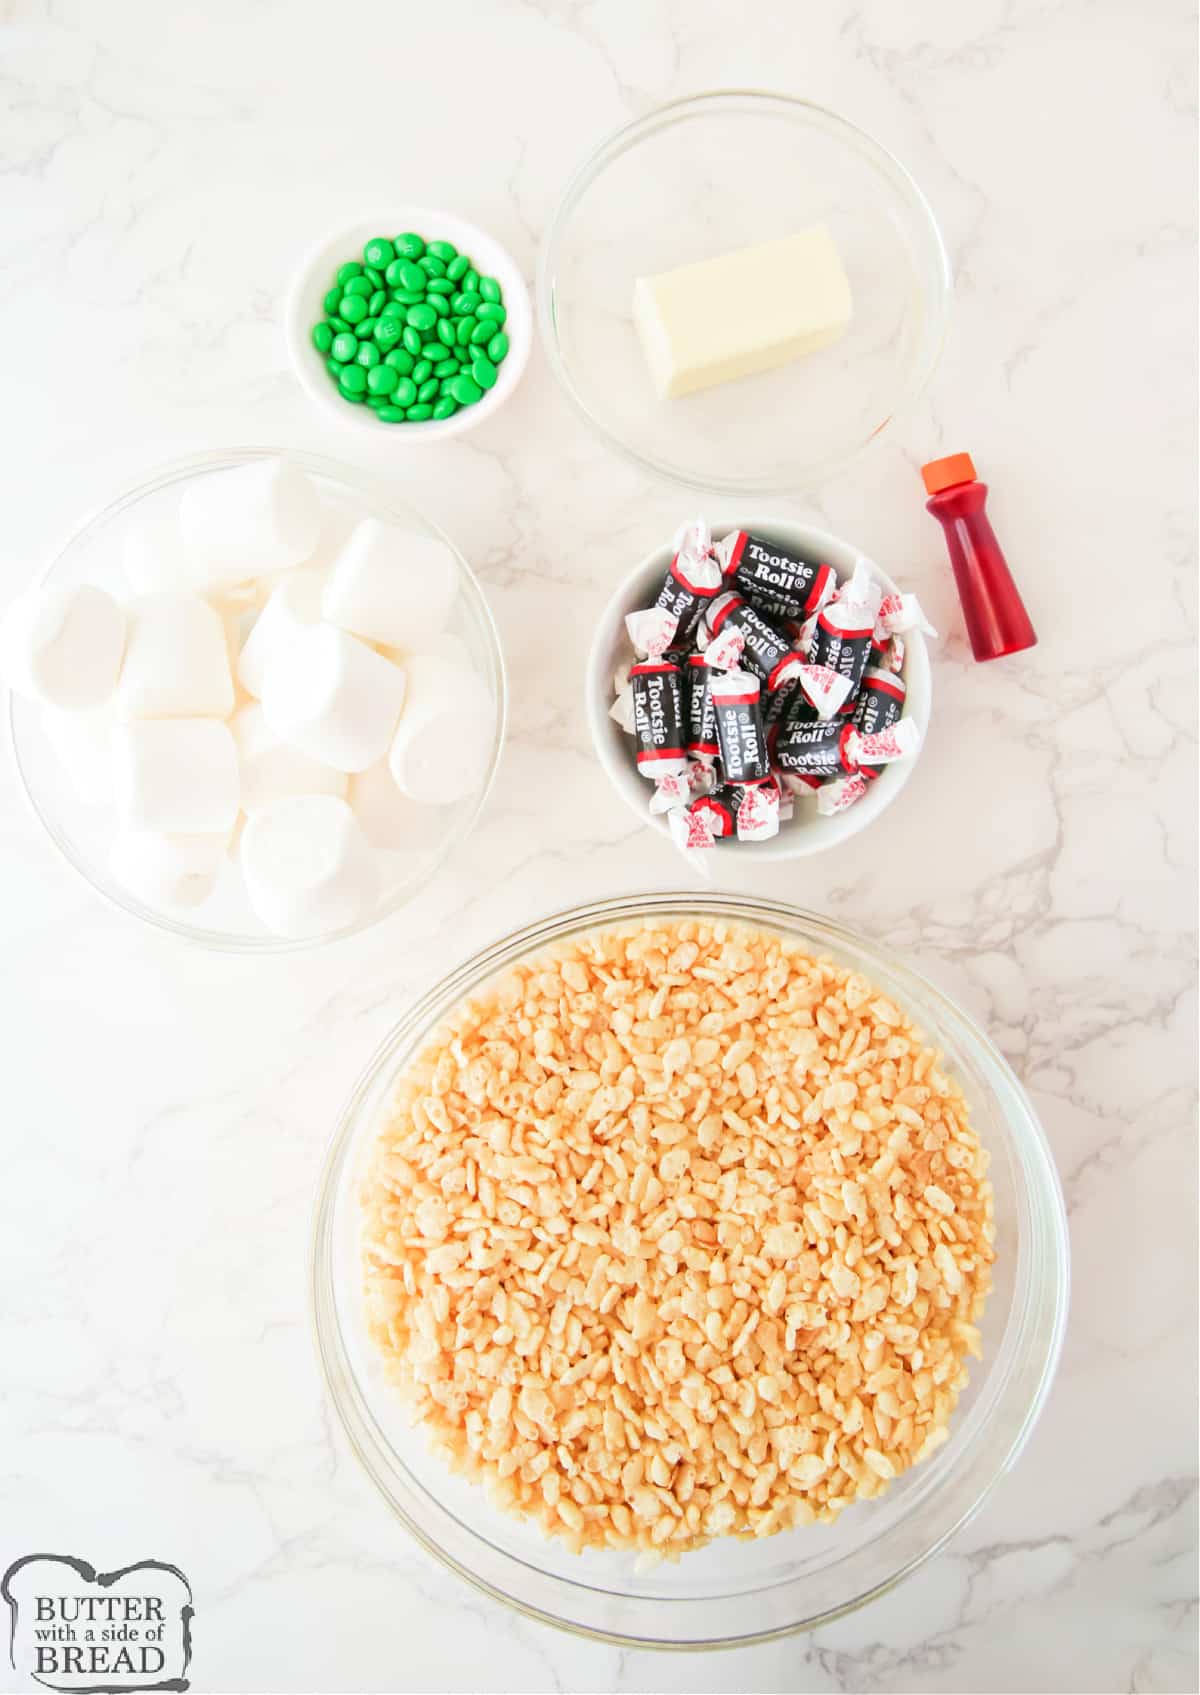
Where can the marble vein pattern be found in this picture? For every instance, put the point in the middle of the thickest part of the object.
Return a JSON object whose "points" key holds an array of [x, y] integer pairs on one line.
{"points": [[161, 171]]}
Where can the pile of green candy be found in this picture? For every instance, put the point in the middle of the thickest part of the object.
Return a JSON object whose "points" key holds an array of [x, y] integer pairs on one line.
{"points": [[413, 332]]}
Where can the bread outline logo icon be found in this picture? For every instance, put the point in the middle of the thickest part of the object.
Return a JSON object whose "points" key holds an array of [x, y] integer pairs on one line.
{"points": [[87, 1632]]}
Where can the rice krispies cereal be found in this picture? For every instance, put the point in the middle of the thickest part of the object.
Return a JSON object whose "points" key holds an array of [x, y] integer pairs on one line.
{"points": [[674, 1231]]}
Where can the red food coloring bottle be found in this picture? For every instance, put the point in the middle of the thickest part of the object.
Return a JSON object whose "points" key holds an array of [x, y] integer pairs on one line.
{"points": [[995, 614]]}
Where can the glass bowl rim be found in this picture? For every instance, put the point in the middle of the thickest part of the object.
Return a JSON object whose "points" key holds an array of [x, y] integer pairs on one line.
{"points": [[356, 479], [884, 161], [355, 1418]]}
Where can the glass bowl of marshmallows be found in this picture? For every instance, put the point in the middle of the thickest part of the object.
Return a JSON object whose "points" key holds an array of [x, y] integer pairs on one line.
{"points": [[256, 701]]}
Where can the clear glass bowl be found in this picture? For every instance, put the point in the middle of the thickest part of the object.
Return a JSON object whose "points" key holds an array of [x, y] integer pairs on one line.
{"points": [[730, 1592], [82, 832], [705, 175]]}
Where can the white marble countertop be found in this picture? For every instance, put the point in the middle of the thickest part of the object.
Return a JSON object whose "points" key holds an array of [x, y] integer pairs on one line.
{"points": [[165, 1110]]}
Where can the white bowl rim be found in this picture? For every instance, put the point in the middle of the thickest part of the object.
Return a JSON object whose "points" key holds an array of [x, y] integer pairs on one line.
{"points": [[794, 840], [221, 941], [307, 362]]}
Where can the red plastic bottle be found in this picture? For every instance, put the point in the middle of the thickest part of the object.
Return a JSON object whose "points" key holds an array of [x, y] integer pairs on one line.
{"points": [[995, 614]]}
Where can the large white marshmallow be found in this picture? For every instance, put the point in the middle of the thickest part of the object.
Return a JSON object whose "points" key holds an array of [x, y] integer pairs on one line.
{"points": [[83, 743], [178, 776], [63, 646], [153, 553], [166, 870], [176, 660], [294, 604], [272, 769], [390, 586], [308, 867], [390, 821], [443, 742], [332, 696], [265, 516]]}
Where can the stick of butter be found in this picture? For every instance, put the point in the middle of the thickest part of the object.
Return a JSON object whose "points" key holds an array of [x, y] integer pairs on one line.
{"points": [[742, 312]]}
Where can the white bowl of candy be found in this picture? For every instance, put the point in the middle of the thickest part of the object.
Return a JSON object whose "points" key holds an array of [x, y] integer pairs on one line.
{"points": [[257, 701], [306, 310], [760, 688]]}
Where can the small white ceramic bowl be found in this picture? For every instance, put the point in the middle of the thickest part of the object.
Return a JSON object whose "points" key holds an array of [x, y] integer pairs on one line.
{"points": [[314, 279], [807, 831]]}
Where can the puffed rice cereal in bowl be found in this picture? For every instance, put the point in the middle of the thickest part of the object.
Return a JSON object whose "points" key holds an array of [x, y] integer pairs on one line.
{"points": [[674, 1231]]}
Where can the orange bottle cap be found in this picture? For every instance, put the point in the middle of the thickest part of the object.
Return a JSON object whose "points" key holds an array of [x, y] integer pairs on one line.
{"points": [[944, 473]]}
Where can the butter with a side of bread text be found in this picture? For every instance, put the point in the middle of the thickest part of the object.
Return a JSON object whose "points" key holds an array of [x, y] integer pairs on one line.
{"points": [[742, 312]]}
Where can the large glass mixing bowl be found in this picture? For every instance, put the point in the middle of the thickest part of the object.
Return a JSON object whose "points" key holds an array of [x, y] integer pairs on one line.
{"points": [[730, 1592]]}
